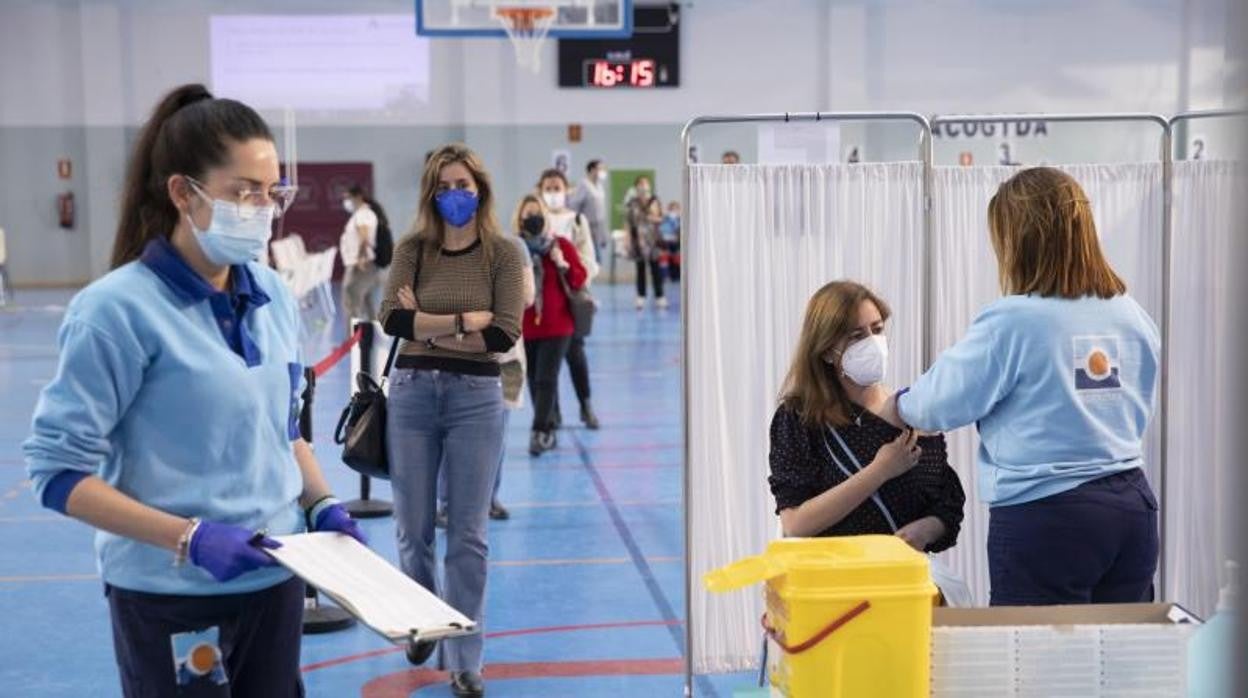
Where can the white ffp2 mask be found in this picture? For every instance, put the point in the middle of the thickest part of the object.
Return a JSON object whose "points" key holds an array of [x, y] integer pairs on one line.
{"points": [[555, 200], [865, 361]]}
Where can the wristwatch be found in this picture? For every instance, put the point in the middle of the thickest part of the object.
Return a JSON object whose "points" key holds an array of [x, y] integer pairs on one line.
{"points": [[459, 327]]}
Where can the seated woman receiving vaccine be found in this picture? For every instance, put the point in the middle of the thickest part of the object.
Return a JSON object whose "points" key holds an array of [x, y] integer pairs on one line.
{"points": [[837, 467]]}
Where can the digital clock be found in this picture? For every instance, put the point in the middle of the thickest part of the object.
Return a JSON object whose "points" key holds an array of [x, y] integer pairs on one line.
{"points": [[649, 58], [636, 73]]}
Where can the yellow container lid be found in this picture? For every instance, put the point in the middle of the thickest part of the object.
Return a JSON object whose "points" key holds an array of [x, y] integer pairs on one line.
{"points": [[812, 564]]}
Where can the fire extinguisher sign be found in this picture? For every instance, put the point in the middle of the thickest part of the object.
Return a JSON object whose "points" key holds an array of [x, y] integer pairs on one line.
{"points": [[65, 168]]}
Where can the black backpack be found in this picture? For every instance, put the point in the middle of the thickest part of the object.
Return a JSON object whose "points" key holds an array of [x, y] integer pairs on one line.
{"points": [[383, 252]]}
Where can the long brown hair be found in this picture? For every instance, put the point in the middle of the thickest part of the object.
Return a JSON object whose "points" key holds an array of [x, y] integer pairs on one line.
{"points": [[188, 133], [430, 228], [812, 387], [1045, 238]]}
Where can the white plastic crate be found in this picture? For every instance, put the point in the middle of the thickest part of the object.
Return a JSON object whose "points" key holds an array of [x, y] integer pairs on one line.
{"points": [[1081, 661]]}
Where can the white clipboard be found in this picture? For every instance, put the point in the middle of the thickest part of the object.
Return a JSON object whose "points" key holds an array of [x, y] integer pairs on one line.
{"points": [[368, 587]]}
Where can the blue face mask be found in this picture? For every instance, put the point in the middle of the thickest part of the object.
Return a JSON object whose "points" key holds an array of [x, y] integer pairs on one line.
{"points": [[237, 234], [457, 206]]}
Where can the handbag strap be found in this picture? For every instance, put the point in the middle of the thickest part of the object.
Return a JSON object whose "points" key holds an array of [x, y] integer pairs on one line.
{"points": [[394, 350]]}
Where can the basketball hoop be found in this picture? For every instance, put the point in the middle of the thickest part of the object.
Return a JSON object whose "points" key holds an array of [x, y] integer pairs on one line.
{"points": [[527, 27]]}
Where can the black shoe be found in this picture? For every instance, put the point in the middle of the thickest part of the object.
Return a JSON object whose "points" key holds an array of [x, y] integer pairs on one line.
{"points": [[440, 519], [558, 419], [588, 418], [419, 652], [536, 444], [498, 512], [467, 684], [549, 440]]}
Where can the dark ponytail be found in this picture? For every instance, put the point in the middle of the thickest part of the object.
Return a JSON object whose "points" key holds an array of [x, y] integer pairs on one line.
{"points": [[188, 133]]}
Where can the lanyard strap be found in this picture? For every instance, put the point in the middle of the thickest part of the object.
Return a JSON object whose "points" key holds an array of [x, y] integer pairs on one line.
{"points": [[875, 496]]}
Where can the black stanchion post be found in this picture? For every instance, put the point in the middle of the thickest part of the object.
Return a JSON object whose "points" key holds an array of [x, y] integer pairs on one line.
{"points": [[366, 507], [317, 619]]}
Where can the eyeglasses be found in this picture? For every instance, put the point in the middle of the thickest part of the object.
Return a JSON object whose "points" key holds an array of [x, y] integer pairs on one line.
{"points": [[250, 201]]}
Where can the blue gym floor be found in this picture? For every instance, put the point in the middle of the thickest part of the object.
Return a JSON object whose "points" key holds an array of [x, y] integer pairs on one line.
{"points": [[586, 591]]}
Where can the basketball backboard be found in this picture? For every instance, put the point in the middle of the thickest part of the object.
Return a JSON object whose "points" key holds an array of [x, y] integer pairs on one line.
{"points": [[574, 19]]}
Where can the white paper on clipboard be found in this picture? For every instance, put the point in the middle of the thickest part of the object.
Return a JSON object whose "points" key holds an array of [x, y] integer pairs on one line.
{"points": [[368, 587]]}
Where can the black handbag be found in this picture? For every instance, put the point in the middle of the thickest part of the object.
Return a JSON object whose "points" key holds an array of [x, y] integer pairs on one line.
{"points": [[362, 427], [583, 307]]}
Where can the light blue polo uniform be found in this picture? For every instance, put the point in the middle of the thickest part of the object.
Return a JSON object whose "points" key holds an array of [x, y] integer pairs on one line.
{"points": [[182, 397], [1062, 392]]}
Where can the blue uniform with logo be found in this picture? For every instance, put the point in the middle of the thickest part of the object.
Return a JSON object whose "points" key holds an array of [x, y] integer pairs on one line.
{"points": [[185, 398], [1062, 392]]}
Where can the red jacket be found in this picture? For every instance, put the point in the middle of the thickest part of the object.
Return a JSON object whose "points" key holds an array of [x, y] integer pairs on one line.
{"points": [[556, 318]]}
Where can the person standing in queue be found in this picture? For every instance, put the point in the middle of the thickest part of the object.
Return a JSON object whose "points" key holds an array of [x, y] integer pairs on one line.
{"points": [[548, 324], [574, 227], [455, 295], [1060, 376], [171, 424]]}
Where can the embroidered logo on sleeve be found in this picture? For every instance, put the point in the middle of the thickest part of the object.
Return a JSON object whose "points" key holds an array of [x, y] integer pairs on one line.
{"points": [[197, 657], [1096, 363]]}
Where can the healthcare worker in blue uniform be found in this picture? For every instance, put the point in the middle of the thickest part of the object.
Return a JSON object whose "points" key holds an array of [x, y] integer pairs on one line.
{"points": [[170, 425], [1060, 376]]}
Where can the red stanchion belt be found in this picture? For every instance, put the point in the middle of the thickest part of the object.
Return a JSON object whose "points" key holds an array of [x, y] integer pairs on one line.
{"points": [[322, 367], [819, 636]]}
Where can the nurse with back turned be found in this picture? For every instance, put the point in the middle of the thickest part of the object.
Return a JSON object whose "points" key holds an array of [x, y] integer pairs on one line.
{"points": [[1060, 376]]}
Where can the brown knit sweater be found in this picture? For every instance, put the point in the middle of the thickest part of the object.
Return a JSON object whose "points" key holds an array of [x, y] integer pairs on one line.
{"points": [[448, 283]]}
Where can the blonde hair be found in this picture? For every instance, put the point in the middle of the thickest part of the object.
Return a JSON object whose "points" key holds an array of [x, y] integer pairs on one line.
{"points": [[1045, 238], [811, 387], [429, 227], [525, 201]]}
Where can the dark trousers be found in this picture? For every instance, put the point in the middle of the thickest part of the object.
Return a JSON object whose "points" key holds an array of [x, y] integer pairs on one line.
{"points": [[229, 646], [1097, 543], [656, 273], [545, 356], [578, 366]]}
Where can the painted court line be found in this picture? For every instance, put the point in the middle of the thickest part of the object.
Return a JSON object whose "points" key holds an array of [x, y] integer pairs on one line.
{"points": [[408, 682], [493, 636], [634, 550]]}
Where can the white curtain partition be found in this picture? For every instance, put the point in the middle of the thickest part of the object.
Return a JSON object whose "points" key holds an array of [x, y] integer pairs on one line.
{"points": [[763, 239], [1127, 204], [1199, 502]]}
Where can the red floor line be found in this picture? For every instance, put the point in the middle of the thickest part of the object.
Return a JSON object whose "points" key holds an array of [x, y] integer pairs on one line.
{"points": [[403, 683], [499, 634]]}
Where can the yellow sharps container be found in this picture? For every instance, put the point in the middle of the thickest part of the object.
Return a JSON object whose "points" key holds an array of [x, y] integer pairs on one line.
{"points": [[852, 617]]}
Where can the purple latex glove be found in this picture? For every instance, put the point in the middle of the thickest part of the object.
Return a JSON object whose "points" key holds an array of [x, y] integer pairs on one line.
{"points": [[335, 518], [226, 551]]}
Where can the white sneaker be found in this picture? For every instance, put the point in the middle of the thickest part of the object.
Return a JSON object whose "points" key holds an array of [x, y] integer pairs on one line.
{"points": [[661, 303], [641, 302]]}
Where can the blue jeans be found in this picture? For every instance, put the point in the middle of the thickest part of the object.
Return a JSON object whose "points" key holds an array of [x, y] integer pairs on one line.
{"points": [[498, 479], [1096, 543], [453, 422]]}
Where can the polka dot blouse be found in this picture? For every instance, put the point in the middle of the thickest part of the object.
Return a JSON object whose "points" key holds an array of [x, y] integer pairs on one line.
{"points": [[802, 468]]}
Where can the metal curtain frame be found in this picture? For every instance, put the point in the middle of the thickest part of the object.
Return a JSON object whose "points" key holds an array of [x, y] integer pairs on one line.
{"points": [[925, 155], [1188, 116], [1167, 159]]}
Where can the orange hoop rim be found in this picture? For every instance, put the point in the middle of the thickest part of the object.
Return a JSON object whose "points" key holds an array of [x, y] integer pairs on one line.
{"points": [[523, 18]]}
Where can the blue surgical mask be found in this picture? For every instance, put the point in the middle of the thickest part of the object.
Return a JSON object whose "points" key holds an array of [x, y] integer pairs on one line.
{"points": [[237, 234], [457, 206]]}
